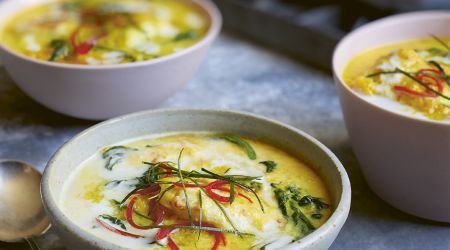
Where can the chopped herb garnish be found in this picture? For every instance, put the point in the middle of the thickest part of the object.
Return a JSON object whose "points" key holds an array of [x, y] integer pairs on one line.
{"points": [[185, 36], [300, 219], [232, 193], [308, 200], [114, 183], [113, 8], [317, 216], [156, 171], [180, 175], [200, 212], [288, 202], [152, 174], [114, 220], [241, 143], [72, 7], [270, 166], [61, 49], [114, 155], [441, 42], [435, 51]]}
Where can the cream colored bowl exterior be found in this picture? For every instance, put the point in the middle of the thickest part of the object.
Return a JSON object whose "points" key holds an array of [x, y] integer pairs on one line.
{"points": [[406, 161], [101, 92], [290, 139]]}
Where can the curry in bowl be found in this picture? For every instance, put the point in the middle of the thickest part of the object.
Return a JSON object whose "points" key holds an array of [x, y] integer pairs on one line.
{"points": [[410, 77], [196, 191], [98, 32]]}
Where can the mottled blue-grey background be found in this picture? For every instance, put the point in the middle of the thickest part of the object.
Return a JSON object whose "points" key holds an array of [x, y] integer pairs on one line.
{"points": [[241, 75]]}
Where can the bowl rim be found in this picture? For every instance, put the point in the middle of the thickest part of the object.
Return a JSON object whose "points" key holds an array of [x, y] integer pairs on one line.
{"points": [[335, 222], [389, 20], [206, 5]]}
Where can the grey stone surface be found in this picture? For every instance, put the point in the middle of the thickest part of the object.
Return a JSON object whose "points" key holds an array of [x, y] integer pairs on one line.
{"points": [[240, 75]]}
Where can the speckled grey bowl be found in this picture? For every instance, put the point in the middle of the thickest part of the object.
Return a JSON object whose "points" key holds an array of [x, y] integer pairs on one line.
{"points": [[287, 138]]}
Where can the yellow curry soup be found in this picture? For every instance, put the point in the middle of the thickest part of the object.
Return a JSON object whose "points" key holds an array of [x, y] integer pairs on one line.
{"points": [[196, 191], [97, 32], [413, 73]]}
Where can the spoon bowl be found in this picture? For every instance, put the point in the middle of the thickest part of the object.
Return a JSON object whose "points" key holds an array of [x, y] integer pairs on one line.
{"points": [[22, 214]]}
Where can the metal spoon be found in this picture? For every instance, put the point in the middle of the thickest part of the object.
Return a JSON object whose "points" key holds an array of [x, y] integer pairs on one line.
{"points": [[22, 214]]}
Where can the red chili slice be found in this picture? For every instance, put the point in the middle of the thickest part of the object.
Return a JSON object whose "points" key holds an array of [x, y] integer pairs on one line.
{"points": [[84, 47], [129, 215], [156, 211], [151, 190], [218, 236], [172, 245], [164, 232], [218, 197], [410, 91], [115, 230], [217, 185], [435, 71], [237, 193]]}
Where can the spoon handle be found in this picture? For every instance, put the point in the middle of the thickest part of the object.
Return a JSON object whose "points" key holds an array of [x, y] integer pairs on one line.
{"points": [[32, 243]]}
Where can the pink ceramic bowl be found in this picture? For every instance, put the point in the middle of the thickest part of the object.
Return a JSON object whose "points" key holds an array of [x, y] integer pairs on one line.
{"points": [[405, 160], [101, 92]]}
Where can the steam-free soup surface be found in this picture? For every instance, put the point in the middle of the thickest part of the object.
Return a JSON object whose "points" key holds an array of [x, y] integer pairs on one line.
{"points": [[196, 191], [105, 31], [410, 77]]}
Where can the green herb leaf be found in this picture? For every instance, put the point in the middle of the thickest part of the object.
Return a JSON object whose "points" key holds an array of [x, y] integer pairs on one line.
{"points": [[113, 8], [317, 216], [185, 36], [299, 218], [61, 49], [435, 51], [231, 193], [114, 220], [114, 155], [241, 143], [180, 175], [200, 212], [382, 73], [71, 7], [270, 166], [114, 183], [152, 174], [441, 42], [288, 202]]}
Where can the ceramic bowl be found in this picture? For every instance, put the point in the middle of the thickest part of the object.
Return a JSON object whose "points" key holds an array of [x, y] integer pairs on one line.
{"points": [[290, 139], [101, 92], [405, 160]]}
